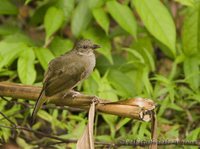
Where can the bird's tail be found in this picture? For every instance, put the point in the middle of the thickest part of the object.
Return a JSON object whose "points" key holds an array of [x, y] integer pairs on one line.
{"points": [[40, 101]]}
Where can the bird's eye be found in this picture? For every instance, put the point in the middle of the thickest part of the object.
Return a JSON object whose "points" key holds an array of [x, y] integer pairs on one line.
{"points": [[85, 47]]}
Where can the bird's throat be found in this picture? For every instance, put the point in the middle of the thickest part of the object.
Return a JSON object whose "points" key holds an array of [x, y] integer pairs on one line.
{"points": [[85, 53]]}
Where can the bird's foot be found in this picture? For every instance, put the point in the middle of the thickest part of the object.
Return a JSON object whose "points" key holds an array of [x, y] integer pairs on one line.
{"points": [[73, 94], [95, 99]]}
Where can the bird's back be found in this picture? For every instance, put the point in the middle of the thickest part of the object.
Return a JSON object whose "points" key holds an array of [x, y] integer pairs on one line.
{"points": [[67, 71]]}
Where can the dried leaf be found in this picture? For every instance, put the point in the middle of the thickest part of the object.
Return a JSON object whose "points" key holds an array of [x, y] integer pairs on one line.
{"points": [[86, 141]]}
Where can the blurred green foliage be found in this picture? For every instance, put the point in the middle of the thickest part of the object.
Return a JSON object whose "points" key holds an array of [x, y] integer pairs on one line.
{"points": [[150, 48]]}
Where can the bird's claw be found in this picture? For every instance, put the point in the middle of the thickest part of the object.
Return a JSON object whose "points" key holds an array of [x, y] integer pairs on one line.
{"points": [[75, 94], [95, 99]]}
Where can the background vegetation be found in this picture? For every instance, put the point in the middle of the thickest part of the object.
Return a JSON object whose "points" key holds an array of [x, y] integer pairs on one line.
{"points": [[150, 49]]}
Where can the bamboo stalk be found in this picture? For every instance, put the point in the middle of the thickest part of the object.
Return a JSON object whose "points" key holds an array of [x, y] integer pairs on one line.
{"points": [[137, 108]]}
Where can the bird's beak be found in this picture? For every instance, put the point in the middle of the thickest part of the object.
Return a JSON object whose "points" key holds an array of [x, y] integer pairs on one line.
{"points": [[96, 46]]}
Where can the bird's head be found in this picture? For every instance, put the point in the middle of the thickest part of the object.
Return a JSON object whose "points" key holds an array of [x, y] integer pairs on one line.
{"points": [[85, 46]]}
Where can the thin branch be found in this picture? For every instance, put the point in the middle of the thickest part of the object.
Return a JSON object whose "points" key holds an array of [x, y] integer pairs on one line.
{"points": [[39, 133], [117, 143], [8, 119], [50, 106], [20, 111]]}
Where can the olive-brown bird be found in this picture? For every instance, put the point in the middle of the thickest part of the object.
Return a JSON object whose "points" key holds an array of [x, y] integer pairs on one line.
{"points": [[66, 71]]}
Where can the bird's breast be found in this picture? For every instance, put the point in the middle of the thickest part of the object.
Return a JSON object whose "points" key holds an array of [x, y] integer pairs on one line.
{"points": [[90, 62]]}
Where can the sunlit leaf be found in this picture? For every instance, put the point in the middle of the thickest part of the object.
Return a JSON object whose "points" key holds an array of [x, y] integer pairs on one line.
{"points": [[194, 134], [10, 52], [67, 6], [146, 81], [121, 83], [8, 8], [145, 48], [123, 15], [8, 29], [53, 20], [81, 18], [90, 86], [60, 46], [191, 71], [39, 13], [23, 144], [19, 37], [95, 3], [105, 90], [190, 32], [102, 18], [158, 21], [136, 54], [44, 56], [186, 2], [25, 66], [122, 122]]}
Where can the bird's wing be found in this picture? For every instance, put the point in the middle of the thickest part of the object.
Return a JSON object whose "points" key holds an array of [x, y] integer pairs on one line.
{"points": [[63, 73], [63, 77]]}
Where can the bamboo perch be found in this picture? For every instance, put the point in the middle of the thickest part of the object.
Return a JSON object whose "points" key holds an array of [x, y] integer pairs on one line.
{"points": [[137, 108]]}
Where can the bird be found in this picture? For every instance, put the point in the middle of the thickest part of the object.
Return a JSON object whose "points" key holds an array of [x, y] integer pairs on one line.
{"points": [[67, 71]]}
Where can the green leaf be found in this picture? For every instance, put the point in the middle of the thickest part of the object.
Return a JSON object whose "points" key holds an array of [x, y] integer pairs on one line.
{"points": [[7, 8], [27, 1], [23, 144], [8, 29], [136, 76], [190, 32], [186, 2], [191, 71], [101, 18], [95, 3], [158, 21], [106, 138], [123, 15], [194, 134], [122, 122], [110, 120], [90, 86], [44, 56], [121, 82], [52, 21], [9, 52], [103, 64], [60, 46], [25, 67], [44, 115], [143, 131], [99, 37], [39, 13], [146, 81], [105, 91], [76, 133], [144, 47], [19, 37], [67, 6], [136, 54], [100, 86], [7, 73], [81, 18]]}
